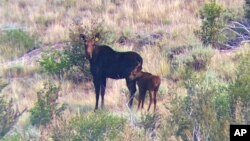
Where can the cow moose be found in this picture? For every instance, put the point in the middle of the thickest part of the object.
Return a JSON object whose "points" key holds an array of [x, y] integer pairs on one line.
{"points": [[107, 63], [146, 82]]}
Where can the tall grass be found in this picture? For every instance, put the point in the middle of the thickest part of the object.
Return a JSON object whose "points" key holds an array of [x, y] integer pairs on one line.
{"points": [[51, 21], [15, 43]]}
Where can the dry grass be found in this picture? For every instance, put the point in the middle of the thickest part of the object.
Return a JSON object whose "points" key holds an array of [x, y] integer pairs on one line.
{"points": [[50, 22]]}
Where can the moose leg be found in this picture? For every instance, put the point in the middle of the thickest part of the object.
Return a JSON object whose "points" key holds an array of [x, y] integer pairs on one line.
{"points": [[103, 87], [97, 91], [131, 84], [150, 99], [155, 99]]}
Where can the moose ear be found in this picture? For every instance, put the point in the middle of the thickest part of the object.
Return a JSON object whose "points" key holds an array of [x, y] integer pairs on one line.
{"points": [[97, 36], [83, 37]]}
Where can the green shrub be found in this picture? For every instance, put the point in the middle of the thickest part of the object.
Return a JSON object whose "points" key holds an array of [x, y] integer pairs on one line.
{"points": [[46, 107], [79, 65], [200, 115], [240, 88], [14, 137], [72, 61], [94, 126], [222, 106], [211, 23], [247, 9], [55, 63], [200, 58], [149, 122], [15, 43], [193, 59], [98, 126]]}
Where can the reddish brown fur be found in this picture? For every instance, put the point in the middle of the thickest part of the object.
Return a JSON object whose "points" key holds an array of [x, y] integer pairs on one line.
{"points": [[90, 48], [147, 82]]}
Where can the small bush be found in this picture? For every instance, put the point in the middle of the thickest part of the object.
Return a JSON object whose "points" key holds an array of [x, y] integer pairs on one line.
{"points": [[240, 88], [94, 126], [77, 59], [211, 23], [192, 59], [55, 63], [46, 107], [200, 58], [149, 123]]}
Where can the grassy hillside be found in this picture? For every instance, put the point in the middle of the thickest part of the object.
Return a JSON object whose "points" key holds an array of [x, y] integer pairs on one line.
{"points": [[198, 82]]}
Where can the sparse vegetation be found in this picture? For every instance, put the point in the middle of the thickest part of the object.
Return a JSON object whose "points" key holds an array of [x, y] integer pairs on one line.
{"points": [[55, 63], [239, 90], [199, 115], [94, 126], [46, 107], [203, 91], [15, 43], [8, 115]]}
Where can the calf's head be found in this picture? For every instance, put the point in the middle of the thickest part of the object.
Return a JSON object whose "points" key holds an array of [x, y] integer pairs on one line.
{"points": [[136, 72], [89, 45]]}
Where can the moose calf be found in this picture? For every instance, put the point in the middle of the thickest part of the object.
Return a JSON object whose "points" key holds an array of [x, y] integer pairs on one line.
{"points": [[146, 82]]}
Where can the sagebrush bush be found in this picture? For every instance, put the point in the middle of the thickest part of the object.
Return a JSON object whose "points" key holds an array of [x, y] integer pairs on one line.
{"points": [[192, 59], [211, 23], [79, 65], [149, 123], [200, 58], [240, 88], [47, 106], [199, 115], [55, 63], [94, 126]]}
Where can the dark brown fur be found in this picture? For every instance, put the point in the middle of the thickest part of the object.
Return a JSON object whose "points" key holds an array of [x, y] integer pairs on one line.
{"points": [[107, 63], [147, 82]]}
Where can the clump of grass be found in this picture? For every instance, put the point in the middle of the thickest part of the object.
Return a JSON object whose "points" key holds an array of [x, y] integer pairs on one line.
{"points": [[184, 61], [14, 43], [156, 64], [94, 126], [19, 70], [46, 107]]}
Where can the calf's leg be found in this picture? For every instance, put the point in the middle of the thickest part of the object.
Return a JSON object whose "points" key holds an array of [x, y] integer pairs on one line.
{"points": [[143, 96], [141, 93], [150, 99]]}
